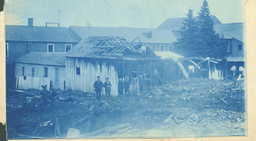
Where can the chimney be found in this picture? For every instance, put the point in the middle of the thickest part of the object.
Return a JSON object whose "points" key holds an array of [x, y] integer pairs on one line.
{"points": [[30, 22]]}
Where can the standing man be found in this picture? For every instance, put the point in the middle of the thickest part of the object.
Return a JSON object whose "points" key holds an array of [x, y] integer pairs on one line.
{"points": [[126, 85], [107, 86], [120, 86], [98, 88]]}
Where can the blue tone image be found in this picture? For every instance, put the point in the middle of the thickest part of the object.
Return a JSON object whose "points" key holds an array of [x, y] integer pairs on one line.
{"points": [[125, 69]]}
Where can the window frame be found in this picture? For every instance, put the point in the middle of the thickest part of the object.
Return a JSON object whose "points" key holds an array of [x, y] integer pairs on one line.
{"points": [[161, 47], [45, 71], [23, 71], [57, 75], [33, 72], [78, 71], [66, 47], [53, 50], [7, 49], [240, 45], [153, 46]]}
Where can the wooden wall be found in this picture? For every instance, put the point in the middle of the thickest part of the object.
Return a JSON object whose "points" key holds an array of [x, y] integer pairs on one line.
{"points": [[89, 70], [16, 50], [39, 72]]}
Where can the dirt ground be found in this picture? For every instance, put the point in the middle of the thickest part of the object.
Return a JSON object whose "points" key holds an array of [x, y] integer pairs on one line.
{"points": [[184, 108]]}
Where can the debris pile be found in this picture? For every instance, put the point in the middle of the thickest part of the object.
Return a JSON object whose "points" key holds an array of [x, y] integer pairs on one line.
{"points": [[194, 106]]}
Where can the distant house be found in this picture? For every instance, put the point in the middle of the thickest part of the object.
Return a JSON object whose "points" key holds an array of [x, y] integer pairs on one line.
{"points": [[38, 68], [234, 36], [160, 40], [21, 40], [111, 57]]}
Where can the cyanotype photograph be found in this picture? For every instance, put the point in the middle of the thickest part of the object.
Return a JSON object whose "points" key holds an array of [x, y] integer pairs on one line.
{"points": [[111, 69]]}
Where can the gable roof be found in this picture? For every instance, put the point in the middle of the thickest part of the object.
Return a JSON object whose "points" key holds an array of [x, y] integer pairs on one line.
{"points": [[235, 30], [176, 23], [158, 36], [43, 58], [102, 47], [38, 34]]}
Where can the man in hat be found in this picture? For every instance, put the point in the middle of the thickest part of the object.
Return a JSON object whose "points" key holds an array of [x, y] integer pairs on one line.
{"points": [[107, 86], [98, 88]]}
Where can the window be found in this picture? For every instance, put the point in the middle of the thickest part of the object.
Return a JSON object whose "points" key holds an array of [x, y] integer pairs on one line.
{"points": [[45, 72], [68, 47], [77, 71], [154, 47], [240, 47], [23, 71], [56, 74], [7, 49], [228, 46], [166, 48], [170, 47], [50, 47], [33, 72], [162, 47]]}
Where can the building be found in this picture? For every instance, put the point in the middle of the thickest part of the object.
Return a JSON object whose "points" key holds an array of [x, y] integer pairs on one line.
{"points": [[160, 40], [21, 40], [234, 36], [39, 68], [111, 57]]}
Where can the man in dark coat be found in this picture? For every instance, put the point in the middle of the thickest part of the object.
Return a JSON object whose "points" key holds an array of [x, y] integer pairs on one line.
{"points": [[98, 88], [120, 86], [126, 85], [107, 86]]}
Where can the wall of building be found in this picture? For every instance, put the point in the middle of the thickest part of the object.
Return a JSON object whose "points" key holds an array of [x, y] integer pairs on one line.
{"points": [[89, 70], [16, 50], [42, 46], [235, 51], [157, 46], [39, 72]]}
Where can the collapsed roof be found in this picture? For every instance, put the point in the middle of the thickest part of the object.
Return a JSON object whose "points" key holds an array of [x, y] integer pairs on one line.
{"points": [[104, 47]]}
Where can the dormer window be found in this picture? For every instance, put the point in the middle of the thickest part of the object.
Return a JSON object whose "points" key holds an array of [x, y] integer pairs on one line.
{"points": [[240, 47], [50, 47]]}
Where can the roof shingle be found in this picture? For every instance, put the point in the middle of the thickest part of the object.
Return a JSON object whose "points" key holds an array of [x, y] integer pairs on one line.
{"points": [[43, 58], [38, 34]]}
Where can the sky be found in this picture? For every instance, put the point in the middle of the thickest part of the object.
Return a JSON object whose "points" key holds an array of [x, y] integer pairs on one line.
{"points": [[116, 13]]}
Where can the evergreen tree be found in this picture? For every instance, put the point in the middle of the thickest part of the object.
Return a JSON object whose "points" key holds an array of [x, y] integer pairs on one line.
{"points": [[210, 43], [188, 33]]}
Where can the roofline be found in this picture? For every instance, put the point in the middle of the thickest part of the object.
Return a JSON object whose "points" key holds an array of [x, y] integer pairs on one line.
{"points": [[40, 64], [41, 41]]}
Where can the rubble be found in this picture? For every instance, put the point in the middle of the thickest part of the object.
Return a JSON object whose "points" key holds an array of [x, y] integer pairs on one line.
{"points": [[197, 105]]}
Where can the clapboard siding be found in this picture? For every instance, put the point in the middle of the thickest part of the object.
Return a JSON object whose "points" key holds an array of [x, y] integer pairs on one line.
{"points": [[89, 70], [16, 50], [39, 72], [235, 50]]}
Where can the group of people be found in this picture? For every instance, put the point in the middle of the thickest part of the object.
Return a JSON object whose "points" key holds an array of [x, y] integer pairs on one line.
{"points": [[124, 85], [98, 85]]}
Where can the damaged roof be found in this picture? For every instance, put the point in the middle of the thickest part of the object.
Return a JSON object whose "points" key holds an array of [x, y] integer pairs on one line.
{"points": [[43, 58], [102, 47], [157, 36], [38, 34]]}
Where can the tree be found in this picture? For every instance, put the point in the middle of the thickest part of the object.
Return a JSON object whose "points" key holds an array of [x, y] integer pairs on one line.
{"points": [[188, 33], [210, 43], [198, 37]]}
